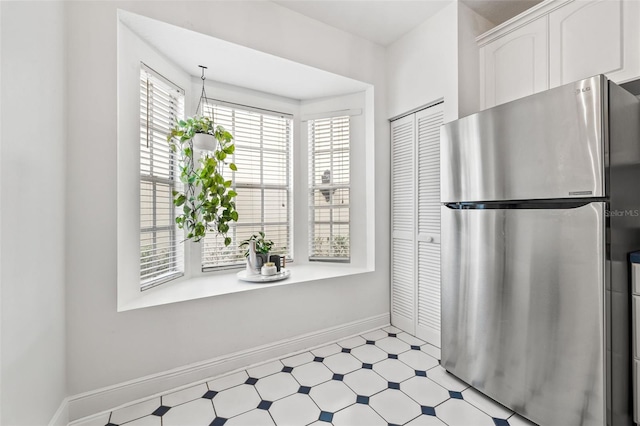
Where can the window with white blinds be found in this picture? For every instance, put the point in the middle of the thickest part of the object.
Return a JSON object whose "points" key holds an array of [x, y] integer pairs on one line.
{"points": [[263, 182], [161, 251], [329, 189]]}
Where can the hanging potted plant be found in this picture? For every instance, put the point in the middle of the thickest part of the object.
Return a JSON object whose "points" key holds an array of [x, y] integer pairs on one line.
{"points": [[207, 200]]}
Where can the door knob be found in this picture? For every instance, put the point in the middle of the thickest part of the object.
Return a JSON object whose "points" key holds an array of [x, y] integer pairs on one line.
{"points": [[430, 240]]}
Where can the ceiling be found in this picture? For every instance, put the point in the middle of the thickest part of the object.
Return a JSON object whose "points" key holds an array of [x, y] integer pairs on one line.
{"points": [[385, 21], [499, 11], [381, 21], [277, 76]]}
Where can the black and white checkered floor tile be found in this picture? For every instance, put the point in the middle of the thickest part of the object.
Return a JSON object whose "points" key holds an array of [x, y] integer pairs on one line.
{"points": [[385, 377]]}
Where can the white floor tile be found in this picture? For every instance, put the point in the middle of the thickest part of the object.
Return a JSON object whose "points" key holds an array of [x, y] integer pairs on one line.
{"points": [[393, 345], [424, 391], [228, 381], [517, 420], [375, 335], [365, 382], [184, 395], [393, 370], [332, 396], [296, 360], [277, 386], [392, 329], [446, 380], [194, 413], [426, 421], [255, 417], [265, 369], [326, 351], [342, 363], [394, 406], [145, 421], [99, 420], [407, 338], [237, 400], [312, 374], [352, 342], [358, 415], [456, 412], [294, 410], [431, 350], [369, 353], [418, 360], [135, 411], [486, 404]]}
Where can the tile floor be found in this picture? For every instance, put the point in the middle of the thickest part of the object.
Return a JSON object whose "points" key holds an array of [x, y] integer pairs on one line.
{"points": [[385, 377]]}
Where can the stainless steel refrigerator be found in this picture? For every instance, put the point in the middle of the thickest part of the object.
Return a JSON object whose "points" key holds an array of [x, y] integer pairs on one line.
{"points": [[541, 206]]}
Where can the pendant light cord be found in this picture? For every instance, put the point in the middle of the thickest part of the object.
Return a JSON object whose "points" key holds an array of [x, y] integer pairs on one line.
{"points": [[203, 96]]}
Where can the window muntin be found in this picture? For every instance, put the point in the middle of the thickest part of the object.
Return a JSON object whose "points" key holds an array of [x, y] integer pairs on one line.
{"points": [[263, 141], [329, 185], [161, 249]]}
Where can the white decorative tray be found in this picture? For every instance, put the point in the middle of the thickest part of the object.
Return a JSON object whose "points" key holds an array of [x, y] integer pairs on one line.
{"points": [[284, 274]]}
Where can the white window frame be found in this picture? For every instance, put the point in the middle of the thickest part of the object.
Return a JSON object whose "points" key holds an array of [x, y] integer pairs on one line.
{"points": [[148, 135], [288, 187], [314, 187]]}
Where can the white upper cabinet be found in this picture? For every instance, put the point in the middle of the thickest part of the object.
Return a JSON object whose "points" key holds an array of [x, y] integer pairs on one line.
{"points": [[515, 65], [594, 37], [558, 42]]}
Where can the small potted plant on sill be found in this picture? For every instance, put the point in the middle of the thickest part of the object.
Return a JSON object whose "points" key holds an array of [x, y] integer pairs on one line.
{"points": [[257, 251], [207, 200]]}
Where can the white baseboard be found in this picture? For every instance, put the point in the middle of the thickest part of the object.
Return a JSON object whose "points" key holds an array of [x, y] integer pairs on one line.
{"points": [[61, 416], [104, 399]]}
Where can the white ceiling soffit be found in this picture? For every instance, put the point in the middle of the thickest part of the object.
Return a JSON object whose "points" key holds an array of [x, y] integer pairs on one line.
{"points": [[499, 11], [382, 22], [238, 65]]}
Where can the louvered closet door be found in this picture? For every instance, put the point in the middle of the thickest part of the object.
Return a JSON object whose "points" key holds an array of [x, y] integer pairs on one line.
{"points": [[428, 124], [403, 224]]}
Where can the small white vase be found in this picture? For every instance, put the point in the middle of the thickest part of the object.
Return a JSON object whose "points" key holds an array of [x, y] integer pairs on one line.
{"points": [[252, 260], [204, 142]]}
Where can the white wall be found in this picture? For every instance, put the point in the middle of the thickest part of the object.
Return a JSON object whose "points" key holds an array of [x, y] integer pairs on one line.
{"points": [[422, 66], [33, 205], [470, 25], [105, 347]]}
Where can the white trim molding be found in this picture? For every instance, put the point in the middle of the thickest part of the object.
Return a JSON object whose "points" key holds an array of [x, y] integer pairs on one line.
{"points": [[331, 114], [92, 403], [537, 11], [61, 416]]}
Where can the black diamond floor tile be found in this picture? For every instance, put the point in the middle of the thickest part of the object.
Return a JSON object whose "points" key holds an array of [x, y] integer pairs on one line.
{"points": [[161, 410], [218, 421], [325, 416], [209, 394]]}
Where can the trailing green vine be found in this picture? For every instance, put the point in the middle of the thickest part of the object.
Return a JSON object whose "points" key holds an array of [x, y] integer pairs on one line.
{"points": [[207, 200]]}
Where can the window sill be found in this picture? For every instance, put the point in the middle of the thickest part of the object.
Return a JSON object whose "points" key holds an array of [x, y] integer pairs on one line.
{"points": [[216, 284]]}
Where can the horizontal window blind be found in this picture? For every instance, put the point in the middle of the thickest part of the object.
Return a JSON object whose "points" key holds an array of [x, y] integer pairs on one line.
{"points": [[329, 179], [263, 182], [161, 251]]}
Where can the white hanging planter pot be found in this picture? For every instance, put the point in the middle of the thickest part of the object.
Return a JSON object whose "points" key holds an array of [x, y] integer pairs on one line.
{"points": [[204, 142]]}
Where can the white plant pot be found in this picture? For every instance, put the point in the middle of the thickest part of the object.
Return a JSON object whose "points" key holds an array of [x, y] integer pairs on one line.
{"points": [[204, 142]]}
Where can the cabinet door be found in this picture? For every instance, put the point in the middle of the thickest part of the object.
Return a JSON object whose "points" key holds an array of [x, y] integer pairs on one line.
{"points": [[515, 65], [402, 224], [594, 37], [428, 124]]}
